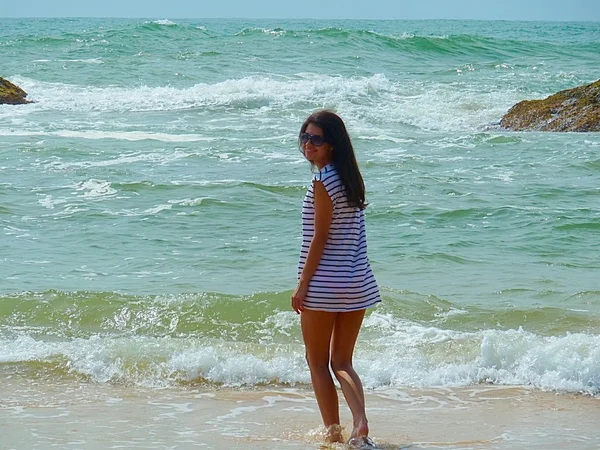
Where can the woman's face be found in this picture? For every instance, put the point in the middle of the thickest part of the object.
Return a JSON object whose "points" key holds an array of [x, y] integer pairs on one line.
{"points": [[315, 149]]}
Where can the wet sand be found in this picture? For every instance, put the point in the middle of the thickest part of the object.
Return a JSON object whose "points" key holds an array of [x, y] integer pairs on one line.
{"points": [[75, 415]]}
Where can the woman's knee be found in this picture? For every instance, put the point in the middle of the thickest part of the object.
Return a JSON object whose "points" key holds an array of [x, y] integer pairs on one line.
{"points": [[340, 367], [316, 364]]}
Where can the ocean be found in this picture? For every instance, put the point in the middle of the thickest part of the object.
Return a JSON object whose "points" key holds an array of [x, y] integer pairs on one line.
{"points": [[150, 227]]}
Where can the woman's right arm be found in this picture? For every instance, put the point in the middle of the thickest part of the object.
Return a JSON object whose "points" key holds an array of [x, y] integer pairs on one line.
{"points": [[323, 214]]}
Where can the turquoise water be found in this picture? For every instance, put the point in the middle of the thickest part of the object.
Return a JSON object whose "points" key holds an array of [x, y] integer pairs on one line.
{"points": [[150, 200]]}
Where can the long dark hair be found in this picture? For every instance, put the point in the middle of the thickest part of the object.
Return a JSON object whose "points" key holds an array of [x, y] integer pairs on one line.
{"points": [[344, 160]]}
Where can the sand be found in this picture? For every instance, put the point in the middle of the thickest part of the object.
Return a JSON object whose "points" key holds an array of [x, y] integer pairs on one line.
{"points": [[78, 415]]}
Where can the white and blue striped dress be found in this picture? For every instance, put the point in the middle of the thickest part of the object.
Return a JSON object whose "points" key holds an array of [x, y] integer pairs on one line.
{"points": [[343, 280]]}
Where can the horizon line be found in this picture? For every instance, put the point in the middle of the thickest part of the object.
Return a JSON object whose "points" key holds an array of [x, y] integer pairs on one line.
{"points": [[302, 18]]}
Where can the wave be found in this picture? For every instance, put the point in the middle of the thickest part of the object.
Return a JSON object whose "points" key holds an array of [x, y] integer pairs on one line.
{"points": [[392, 38], [119, 135], [404, 355], [421, 44], [75, 314], [253, 340], [165, 22], [66, 32], [376, 97], [592, 226], [254, 92]]}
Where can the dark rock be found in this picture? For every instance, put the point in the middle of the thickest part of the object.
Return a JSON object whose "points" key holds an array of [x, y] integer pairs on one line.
{"points": [[11, 94], [576, 109]]}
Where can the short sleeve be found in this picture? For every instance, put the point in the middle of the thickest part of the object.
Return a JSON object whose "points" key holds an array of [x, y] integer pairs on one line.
{"points": [[331, 180]]}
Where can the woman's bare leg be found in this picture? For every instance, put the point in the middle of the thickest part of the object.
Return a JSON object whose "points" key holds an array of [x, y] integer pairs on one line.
{"points": [[317, 327], [345, 332]]}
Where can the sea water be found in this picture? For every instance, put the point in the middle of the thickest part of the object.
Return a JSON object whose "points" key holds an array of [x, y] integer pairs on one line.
{"points": [[150, 201]]}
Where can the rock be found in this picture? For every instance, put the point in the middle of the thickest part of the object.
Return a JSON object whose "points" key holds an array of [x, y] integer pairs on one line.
{"points": [[11, 94], [576, 109]]}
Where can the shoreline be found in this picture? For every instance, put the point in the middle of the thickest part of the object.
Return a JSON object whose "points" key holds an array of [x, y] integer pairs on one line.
{"points": [[95, 416]]}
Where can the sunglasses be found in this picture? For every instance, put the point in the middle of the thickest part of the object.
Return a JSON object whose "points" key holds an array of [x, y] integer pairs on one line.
{"points": [[314, 139]]}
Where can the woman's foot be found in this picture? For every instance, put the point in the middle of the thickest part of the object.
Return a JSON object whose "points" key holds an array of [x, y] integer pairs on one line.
{"points": [[333, 434], [363, 443], [360, 429]]}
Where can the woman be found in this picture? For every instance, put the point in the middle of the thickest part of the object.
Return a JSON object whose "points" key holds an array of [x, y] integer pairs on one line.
{"points": [[336, 283]]}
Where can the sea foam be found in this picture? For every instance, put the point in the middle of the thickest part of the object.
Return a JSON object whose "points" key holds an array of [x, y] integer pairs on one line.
{"points": [[404, 354], [428, 106]]}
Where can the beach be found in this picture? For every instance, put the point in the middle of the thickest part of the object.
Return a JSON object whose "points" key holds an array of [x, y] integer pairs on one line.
{"points": [[150, 231], [106, 416]]}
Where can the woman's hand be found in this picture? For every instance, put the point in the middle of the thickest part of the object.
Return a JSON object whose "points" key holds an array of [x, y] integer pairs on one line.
{"points": [[298, 297]]}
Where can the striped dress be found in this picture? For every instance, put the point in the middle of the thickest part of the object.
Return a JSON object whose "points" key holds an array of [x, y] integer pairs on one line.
{"points": [[343, 280]]}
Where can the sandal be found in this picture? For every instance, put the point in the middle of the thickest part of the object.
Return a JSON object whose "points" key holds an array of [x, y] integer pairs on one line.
{"points": [[363, 442]]}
